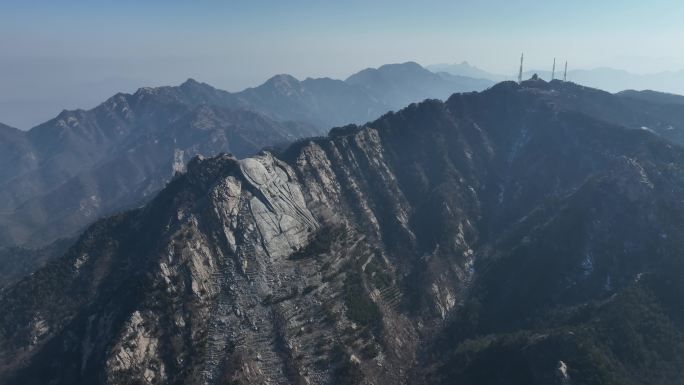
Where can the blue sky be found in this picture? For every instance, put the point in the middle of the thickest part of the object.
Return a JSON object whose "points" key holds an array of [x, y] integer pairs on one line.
{"points": [[295, 34], [63, 46]]}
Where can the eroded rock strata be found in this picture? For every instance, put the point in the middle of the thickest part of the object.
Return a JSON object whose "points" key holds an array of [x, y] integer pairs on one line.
{"points": [[495, 236]]}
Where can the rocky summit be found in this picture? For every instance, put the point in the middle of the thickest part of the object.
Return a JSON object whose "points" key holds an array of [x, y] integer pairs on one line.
{"points": [[509, 236], [61, 176]]}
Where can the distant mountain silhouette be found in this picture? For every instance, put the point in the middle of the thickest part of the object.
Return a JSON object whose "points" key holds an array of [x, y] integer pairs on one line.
{"points": [[324, 102], [653, 96], [466, 69], [402, 84], [608, 79], [615, 80]]}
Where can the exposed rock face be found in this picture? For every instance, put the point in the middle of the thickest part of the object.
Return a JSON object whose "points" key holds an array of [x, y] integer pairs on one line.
{"points": [[282, 219], [66, 173], [494, 237], [118, 156]]}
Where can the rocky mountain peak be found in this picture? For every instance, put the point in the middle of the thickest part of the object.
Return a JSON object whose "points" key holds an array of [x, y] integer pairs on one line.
{"points": [[190, 82], [69, 118], [123, 151], [535, 81], [204, 171], [192, 85], [283, 83], [408, 69], [427, 246], [406, 66], [146, 91]]}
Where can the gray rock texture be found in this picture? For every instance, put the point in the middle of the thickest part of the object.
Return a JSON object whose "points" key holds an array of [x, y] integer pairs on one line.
{"points": [[493, 238]]}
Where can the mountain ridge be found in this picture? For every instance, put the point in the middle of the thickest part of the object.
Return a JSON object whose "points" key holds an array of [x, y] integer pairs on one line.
{"points": [[655, 96], [464, 68], [350, 258], [65, 173], [605, 78]]}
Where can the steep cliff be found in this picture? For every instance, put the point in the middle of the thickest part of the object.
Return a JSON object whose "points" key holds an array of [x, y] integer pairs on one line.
{"points": [[62, 175], [497, 236]]}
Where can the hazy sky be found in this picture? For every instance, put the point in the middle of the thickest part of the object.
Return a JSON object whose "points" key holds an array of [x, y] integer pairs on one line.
{"points": [[87, 49]]}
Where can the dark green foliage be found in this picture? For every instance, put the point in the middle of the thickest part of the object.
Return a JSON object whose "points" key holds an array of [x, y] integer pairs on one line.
{"points": [[378, 274], [319, 244], [346, 371], [18, 262], [349, 373], [371, 350], [309, 289], [629, 339], [360, 308]]}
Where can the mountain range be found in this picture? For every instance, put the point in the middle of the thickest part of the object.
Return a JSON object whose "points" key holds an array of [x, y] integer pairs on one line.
{"points": [[609, 79], [67, 172], [466, 69], [519, 235]]}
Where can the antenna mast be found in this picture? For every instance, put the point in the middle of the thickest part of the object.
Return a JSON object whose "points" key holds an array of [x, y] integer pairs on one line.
{"points": [[565, 73], [553, 71], [522, 55]]}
